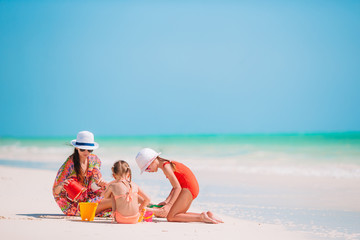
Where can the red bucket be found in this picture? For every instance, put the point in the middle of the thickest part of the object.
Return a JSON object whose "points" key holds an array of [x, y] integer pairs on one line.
{"points": [[74, 190]]}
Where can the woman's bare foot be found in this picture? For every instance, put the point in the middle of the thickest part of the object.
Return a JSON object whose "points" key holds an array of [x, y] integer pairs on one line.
{"points": [[215, 218], [205, 218]]}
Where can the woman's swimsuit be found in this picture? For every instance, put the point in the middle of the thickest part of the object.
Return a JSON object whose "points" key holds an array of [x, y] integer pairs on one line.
{"points": [[126, 219], [185, 177]]}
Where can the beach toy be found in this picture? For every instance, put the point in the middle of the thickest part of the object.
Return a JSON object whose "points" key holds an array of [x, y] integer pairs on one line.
{"points": [[95, 187], [148, 216], [141, 218], [74, 190], [155, 206], [87, 211]]}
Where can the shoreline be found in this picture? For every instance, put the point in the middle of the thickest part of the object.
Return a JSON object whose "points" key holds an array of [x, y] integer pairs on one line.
{"points": [[27, 204]]}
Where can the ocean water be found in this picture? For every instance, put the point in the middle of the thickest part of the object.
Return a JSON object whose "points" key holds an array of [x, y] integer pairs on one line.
{"points": [[280, 178], [332, 154]]}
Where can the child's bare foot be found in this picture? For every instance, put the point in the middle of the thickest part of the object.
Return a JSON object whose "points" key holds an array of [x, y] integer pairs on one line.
{"points": [[215, 218], [205, 218]]}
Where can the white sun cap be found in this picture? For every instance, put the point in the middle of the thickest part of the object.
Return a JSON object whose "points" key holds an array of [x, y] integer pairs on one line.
{"points": [[145, 157], [85, 140]]}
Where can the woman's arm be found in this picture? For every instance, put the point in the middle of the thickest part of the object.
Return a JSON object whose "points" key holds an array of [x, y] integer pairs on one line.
{"points": [[108, 192], [57, 189], [96, 173], [64, 173]]}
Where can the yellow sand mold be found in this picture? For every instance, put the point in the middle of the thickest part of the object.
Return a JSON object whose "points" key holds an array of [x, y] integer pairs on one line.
{"points": [[87, 211]]}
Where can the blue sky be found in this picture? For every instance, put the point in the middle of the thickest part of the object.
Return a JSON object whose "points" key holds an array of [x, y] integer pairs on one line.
{"points": [[178, 67]]}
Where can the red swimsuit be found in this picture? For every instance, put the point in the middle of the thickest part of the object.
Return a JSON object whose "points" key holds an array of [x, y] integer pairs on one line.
{"points": [[186, 178]]}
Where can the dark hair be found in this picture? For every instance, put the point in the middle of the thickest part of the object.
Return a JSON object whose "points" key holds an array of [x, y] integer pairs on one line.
{"points": [[77, 167], [121, 168]]}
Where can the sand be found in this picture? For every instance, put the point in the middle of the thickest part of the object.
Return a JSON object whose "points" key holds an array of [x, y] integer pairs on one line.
{"points": [[28, 211]]}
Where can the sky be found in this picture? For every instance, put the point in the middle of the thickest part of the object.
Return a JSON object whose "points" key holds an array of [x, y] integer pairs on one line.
{"points": [[178, 67]]}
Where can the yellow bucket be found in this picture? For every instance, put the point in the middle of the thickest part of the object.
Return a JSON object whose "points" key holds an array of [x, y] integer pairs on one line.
{"points": [[87, 211]]}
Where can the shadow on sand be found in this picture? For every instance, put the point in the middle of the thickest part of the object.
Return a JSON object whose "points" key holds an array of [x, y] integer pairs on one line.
{"points": [[47, 215], [77, 218]]}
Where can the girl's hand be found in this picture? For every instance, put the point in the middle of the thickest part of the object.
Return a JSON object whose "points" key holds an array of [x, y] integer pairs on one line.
{"points": [[162, 203], [159, 212], [166, 208], [162, 212]]}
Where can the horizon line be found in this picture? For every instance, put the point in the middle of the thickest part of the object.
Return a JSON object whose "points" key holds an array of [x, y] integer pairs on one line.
{"points": [[186, 135]]}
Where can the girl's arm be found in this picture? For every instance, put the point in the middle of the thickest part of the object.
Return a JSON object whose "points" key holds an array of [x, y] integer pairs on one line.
{"points": [[167, 199], [175, 191], [146, 199]]}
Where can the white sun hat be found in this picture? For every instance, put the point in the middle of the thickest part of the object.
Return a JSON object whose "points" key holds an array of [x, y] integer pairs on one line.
{"points": [[145, 157], [85, 140]]}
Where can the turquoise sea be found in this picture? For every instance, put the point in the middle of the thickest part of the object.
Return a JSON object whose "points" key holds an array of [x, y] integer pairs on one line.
{"points": [[269, 178], [282, 151]]}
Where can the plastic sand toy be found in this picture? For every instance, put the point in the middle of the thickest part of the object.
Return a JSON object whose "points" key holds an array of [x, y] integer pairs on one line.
{"points": [[87, 211], [74, 190]]}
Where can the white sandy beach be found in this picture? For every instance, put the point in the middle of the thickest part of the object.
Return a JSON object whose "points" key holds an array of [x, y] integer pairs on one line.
{"points": [[28, 211]]}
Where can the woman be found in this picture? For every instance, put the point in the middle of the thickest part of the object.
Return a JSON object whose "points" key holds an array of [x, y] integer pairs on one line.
{"points": [[83, 166]]}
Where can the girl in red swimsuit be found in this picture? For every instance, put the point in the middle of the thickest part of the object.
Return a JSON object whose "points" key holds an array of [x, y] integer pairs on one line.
{"points": [[185, 188]]}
